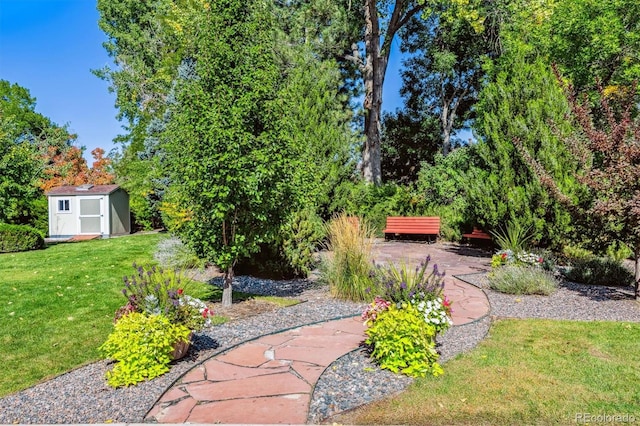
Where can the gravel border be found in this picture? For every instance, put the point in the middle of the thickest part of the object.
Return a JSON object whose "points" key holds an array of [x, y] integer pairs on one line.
{"points": [[82, 396]]}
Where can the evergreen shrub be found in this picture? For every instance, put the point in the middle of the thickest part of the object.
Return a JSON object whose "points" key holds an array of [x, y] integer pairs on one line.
{"points": [[600, 270], [302, 235], [14, 238]]}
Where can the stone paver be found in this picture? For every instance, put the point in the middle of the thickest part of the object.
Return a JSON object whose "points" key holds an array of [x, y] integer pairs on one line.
{"points": [[270, 380]]}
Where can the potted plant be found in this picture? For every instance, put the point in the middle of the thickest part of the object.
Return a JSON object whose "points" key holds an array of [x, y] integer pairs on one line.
{"points": [[154, 327]]}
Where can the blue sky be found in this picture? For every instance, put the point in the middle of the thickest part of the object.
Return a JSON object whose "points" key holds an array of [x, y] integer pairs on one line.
{"points": [[50, 46]]}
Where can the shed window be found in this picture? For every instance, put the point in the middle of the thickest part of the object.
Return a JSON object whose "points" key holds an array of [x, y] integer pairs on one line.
{"points": [[64, 206]]}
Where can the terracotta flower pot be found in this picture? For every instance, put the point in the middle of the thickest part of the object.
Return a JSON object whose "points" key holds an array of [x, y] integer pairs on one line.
{"points": [[180, 348]]}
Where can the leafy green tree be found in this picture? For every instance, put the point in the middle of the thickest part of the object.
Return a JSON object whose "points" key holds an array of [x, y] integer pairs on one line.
{"points": [[26, 138], [519, 102], [408, 141], [443, 74], [596, 40], [382, 22], [234, 168], [20, 169], [609, 158], [146, 50], [148, 40]]}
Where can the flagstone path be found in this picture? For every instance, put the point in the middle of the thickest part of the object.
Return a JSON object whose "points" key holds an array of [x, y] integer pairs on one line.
{"points": [[270, 380]]}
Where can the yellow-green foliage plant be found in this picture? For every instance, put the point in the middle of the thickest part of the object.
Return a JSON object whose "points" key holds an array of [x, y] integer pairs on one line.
{"points": [[348, 268], [141, 345], [402, 342]]}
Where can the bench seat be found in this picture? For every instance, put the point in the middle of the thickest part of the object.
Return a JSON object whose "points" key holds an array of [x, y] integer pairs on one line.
{"points": [[416, 225], [477, 234]]}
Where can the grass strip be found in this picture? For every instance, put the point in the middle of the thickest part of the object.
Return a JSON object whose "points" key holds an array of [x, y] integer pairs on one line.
{"points": [[526, 372], [57, 304]]}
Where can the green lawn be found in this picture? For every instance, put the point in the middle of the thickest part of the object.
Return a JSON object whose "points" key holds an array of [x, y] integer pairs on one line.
{"points": [[526, 372], [57, 304]]}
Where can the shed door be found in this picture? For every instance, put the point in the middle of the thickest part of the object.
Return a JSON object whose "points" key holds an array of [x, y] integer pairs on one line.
{"points": [[91, 215]]}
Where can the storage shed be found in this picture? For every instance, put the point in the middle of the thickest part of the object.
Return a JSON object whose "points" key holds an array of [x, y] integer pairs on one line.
{"points": [[88, 210]]}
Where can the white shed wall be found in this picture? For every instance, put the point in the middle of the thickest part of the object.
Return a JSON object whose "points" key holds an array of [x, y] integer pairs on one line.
{"points": [[63, 224]]}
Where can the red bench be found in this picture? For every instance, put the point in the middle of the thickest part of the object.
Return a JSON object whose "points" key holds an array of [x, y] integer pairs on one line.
{"points": [[421, 225], [477, 234]]}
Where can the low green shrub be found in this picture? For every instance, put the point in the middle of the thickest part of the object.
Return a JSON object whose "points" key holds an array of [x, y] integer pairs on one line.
{"points": [[400, 341], [599, 270], [14, 238], [619, 251], [574, 254], [348, 268], [301, 238], [513, 279], [141, 345]]}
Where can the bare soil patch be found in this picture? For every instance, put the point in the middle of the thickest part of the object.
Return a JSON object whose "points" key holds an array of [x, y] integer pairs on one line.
{"points": [[244, 309]]}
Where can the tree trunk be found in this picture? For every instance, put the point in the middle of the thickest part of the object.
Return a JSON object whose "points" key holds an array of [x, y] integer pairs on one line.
{"points": [[374, 69], [227, 290], [637, 274], [371, 155], [446, 130]]}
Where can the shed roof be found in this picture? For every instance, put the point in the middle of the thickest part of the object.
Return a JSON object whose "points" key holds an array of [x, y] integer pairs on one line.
{"points": [[83, 190]]}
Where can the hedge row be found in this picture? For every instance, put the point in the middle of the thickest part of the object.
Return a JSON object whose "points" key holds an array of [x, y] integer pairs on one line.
{"points": [[19, 238]]}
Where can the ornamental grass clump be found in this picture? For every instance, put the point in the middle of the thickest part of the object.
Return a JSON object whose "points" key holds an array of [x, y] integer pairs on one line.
{"points": [[347, 269], [514, 279]]}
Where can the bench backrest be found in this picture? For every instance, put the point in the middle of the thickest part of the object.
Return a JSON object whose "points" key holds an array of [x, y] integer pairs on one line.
{"points": [[413, 224]]}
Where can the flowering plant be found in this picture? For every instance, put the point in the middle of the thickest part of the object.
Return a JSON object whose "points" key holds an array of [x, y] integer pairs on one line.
{"points": [[436, 312], [400, 283], [508, 257], [402, 286], [404, 321], [372, 311], [155, 291]]}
